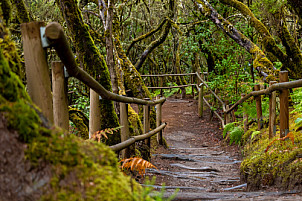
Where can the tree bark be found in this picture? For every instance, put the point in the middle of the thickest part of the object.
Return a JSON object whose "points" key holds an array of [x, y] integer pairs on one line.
{"points": [[92, 62]]}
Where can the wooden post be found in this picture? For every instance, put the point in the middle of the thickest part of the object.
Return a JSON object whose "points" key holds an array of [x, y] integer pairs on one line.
{"points": [[125, 128], [227, 116], [272, 112], [200, 101], [94, 113], [192, 82], [37, 70], [60, 101], [258, 107], [147, 125], [245, 118], [161, 83], [284, 114], [158, 122]]}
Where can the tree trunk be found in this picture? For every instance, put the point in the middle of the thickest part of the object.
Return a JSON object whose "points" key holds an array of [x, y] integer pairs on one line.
{"points": [[92, 62]]}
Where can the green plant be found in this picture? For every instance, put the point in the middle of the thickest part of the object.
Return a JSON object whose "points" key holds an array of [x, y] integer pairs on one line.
{"points": [[149, 194], [235, 131], [228, 127], [297, 100], [236, 135]]}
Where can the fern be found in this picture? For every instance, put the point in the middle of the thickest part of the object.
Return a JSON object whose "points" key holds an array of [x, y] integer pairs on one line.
{"points": [[228, 127], [236, 135], [98, 135], [136, 164]]}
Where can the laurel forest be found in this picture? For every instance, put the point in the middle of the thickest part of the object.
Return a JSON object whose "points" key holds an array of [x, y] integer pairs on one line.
{"points": [[119, 61]]}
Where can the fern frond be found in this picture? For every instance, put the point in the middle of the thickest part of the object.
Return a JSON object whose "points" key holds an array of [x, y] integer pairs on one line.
{"points": [[236, 135], [228, 127], [98, 135], [137, 164]]}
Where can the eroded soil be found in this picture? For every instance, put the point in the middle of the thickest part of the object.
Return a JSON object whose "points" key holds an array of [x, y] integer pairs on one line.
{"points": [[198, 162]]}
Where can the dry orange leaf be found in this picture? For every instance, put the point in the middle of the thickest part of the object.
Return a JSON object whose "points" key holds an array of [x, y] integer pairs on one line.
{"points": [[137, 164]]}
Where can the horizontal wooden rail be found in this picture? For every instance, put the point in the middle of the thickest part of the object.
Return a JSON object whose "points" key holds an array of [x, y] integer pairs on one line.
{"points": [[171, 87], [212, 92], [134, 139], [55, 35], [166, 75], [275, 87]]}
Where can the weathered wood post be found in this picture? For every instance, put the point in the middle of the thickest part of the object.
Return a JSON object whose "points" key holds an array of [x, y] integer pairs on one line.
{"points": [[192, 82], [161, 83], [125, 134], [37, 70], [258, 107], [147, 125], [227, 116], [200, 100], [284, 114], [158, 122], [272, 112], [94, 113], [245, 118], [60, 101]]}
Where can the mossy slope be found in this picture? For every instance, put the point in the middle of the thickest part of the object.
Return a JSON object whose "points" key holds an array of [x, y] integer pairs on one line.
{"points": [[78, 170], [280, 166]]}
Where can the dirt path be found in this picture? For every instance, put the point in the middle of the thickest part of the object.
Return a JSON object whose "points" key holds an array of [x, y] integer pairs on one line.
{"points": [[197, 163]]}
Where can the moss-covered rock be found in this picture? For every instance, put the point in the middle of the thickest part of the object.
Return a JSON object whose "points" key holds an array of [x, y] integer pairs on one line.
{"points": [[271, 162], [44, 164]]}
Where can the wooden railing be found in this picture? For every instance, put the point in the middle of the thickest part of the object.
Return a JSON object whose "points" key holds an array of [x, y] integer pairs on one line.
{"points": [[35, 37], [283, 87], [161, 81], [202, 99]]}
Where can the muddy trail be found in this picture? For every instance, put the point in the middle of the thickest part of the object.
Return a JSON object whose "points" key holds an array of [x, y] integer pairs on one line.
{"points": [[198, 162]]}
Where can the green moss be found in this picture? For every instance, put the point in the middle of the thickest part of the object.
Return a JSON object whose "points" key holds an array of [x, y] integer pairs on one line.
{"points": [[93, 63], [5, 10], [80, 121], [80, 170], [135, 125], [21, 117], [10, 52], [279, 166], [23, 14]]}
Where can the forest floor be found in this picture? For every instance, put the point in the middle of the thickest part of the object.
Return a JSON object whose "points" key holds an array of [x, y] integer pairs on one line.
{"points": [[198, 161]]}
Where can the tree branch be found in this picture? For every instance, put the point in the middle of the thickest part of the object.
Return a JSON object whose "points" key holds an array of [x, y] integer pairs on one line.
{"points": [[261, 63]]}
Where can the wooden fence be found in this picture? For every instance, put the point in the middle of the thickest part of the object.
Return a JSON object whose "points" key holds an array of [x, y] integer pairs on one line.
{"points": [[36, 37], [161, 78]]}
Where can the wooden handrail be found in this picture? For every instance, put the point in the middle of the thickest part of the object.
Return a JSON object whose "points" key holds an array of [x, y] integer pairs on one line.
{"points": [[54, 33], [133, 139], [212, 92], [275, 87], [166, 75], [171, 87]]}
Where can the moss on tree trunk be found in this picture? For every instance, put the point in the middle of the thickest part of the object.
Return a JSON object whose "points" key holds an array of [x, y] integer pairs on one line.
{"points": [[91, 60]]}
